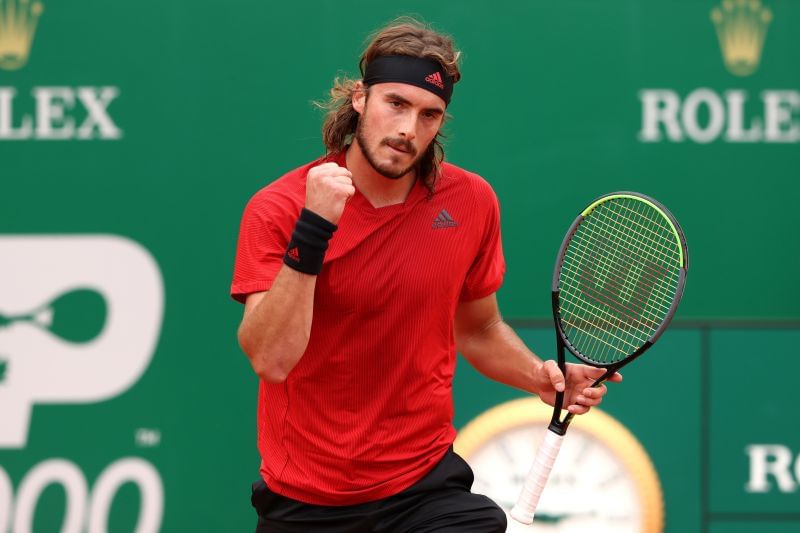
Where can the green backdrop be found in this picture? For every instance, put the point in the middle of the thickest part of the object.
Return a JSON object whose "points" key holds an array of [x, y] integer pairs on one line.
{"points": [[152, 123]]}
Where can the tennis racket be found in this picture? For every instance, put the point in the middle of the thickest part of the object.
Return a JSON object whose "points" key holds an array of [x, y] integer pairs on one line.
{"points": [[618, 279]]}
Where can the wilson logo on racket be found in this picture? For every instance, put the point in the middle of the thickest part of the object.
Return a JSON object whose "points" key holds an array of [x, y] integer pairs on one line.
{"points": [[621, 288]]}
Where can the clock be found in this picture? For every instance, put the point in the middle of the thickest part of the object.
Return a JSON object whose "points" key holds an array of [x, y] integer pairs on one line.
{"points": [[603, 480]]}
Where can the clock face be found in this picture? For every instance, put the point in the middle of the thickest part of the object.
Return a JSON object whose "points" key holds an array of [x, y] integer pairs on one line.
{"points": [[600, 482]]}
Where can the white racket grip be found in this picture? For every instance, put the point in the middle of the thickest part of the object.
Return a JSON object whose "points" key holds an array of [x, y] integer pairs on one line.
{"points": [[528, 499]]}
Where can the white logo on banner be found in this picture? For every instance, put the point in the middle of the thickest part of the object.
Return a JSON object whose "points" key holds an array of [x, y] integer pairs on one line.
{"points": [[667, 116], [771, 467], [87, 508], [79, 322], [55, 114]]}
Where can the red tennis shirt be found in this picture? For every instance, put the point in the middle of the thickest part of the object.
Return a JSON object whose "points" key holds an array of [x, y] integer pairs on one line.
{"points": [[367, 411]]}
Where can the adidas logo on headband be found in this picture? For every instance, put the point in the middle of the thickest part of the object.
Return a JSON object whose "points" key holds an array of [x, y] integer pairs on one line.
{"points": [[435, 79]]}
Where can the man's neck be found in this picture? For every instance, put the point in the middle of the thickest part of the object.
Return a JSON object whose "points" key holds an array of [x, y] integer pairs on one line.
{"points": [[379, 190]]}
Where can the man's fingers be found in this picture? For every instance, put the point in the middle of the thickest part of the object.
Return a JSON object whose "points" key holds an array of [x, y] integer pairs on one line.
{"points": [[329, 170], [330, 166], [578, 409], [555, 375], [340, 171], [328, 188], [597, 373], [344, 180], [588, 401], [594, 393]]}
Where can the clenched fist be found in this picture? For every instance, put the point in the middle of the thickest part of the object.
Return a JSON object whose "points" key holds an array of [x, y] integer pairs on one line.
{"points": [[328, 187]]}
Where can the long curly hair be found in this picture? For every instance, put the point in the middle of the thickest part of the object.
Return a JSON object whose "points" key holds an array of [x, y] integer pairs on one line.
{"points": [[403, 36]]}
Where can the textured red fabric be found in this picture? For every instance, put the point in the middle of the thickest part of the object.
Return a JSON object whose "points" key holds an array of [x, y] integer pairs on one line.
{"points": [[368, 409]]}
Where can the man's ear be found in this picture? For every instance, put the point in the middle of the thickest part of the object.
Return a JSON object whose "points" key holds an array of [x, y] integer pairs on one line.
{"points": [[359, 98]]}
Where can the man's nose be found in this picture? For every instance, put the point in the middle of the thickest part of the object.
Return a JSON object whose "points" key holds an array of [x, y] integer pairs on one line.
{"points": [[407, 126]]}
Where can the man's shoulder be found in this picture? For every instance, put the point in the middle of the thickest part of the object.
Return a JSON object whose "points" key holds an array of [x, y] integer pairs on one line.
{"points": [[457, 179]]}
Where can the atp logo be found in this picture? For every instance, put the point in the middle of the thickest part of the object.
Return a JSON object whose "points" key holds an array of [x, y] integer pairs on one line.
{"points": [[80, 319]]}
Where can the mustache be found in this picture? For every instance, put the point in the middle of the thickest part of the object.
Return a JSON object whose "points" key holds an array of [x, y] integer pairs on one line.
{"points": [[400, 144]]}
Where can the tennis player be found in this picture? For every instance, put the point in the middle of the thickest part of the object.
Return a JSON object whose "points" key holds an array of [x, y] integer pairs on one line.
{"points": [[362, 273]]}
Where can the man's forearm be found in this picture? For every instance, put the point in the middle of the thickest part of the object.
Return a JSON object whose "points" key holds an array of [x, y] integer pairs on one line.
{"points": [[274, 333], [499, 354]]}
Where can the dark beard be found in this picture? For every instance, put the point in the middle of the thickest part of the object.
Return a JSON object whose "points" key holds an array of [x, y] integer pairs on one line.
{"points": [[370, 157]]}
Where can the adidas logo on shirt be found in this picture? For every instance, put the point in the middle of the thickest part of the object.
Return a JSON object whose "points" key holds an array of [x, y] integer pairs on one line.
{"points": [[444, 220]]}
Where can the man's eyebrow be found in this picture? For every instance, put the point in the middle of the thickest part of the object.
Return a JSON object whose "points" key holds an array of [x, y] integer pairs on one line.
{"points": [[395, 96]]}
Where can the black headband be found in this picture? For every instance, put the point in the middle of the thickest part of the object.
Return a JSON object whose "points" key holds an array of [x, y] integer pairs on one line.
{"points": [[422, 72]]}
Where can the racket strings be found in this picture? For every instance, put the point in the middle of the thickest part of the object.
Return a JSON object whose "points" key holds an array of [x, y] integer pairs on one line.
{"points": [[658, 265], [601, 317], [600, 321], [621, 291], [648, 246], [664, 238], [615, 278], [658, 233], [618, 248], [597, 339], [604, 336], [619, 275], [623, 317], [651, 248]]}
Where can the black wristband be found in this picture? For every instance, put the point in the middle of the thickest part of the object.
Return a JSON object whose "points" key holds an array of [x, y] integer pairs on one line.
{"points": [[309, 242]]}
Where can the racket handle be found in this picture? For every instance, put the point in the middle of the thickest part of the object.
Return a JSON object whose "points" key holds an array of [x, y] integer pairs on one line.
{"points": [[525, 508]]}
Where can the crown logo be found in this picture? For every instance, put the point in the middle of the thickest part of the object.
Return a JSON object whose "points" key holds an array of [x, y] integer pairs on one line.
{"points": [[18, 20], [741, 28]]}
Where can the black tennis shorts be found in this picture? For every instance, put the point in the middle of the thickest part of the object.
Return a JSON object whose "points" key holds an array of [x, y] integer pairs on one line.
{"points": [[441, 501]]}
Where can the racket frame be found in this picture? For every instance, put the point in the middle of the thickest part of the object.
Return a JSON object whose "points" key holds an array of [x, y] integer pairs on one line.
{"points": [[557, 425]]}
